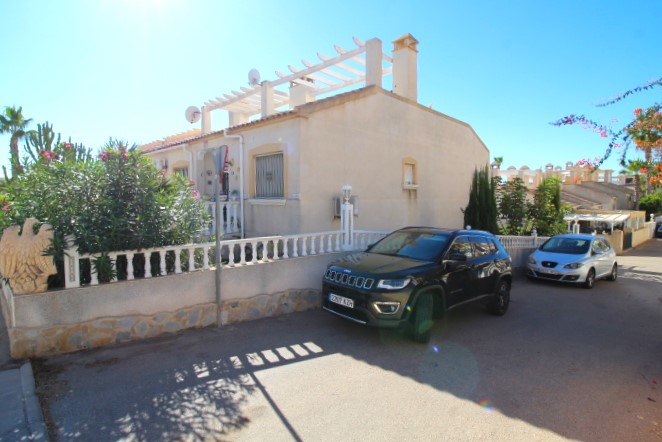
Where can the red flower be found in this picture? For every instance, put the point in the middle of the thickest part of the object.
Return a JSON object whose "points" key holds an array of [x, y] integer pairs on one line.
{"points": [[637, 111]]}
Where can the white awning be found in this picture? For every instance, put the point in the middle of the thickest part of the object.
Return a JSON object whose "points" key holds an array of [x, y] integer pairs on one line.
{"points": [[608, 218]]}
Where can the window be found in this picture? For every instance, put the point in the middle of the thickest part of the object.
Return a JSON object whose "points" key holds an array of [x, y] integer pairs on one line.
{"points": [[269, 176], [462, 245], [409, 173], [483, 246], [183, 171]]}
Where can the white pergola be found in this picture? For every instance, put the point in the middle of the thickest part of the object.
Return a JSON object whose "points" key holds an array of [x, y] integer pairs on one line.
{"points": [[609, 219], [364, 64]]}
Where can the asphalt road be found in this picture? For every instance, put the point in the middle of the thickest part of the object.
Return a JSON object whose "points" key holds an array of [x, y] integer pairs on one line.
{"points": [[564, 363]]}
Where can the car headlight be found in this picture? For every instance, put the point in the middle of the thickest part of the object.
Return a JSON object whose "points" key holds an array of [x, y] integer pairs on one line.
{"points": [[532, 260], [393, 284], [573, 265]]}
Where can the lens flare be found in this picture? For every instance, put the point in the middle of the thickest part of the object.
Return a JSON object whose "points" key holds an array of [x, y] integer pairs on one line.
{"points": [[486, 404]]}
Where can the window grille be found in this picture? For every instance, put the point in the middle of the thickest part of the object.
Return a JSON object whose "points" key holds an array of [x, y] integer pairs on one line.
{"points": [[183, 171], [269, 176]]}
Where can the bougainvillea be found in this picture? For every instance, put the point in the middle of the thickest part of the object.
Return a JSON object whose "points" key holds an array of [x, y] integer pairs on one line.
{"points": [[645, 132]]}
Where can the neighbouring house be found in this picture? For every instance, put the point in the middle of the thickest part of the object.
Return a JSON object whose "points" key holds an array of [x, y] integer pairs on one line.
{"points": [[294, 142], [581, 186]]}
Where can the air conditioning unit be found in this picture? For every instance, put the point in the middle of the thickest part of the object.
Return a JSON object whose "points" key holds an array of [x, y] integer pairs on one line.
{"points": [[337, 205]]}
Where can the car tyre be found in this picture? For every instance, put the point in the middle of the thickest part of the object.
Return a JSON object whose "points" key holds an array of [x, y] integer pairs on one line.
{"points": [[590, 279], [422, 318], [501, 300], [614, 273]]}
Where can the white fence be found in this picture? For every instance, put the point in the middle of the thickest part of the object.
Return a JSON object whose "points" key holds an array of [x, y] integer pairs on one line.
{"points": [[194, 257]]}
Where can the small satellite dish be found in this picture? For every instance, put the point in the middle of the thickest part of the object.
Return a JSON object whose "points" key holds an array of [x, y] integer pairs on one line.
{"points": [[192, 114], [253, 77]]}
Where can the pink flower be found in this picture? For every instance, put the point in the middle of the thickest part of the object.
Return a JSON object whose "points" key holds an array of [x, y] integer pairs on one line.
{"points": [[6, 208], [196, 194], [68, 145], [48, 155]]}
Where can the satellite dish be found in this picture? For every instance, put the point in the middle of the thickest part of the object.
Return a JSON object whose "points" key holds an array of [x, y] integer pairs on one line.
{"points": [[192, 114], [253, 77]]}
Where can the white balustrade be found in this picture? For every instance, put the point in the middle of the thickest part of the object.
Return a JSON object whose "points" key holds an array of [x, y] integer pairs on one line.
{"points": [[241, 252]]}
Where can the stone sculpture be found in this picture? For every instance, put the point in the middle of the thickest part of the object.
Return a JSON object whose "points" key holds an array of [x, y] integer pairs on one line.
{"points": [[22, 259]]}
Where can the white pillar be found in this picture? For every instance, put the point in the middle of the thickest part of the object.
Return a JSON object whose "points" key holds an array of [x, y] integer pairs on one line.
{"points": [[205, 121], [236, 118], [267, 99], [373, 64], [300, 94]]}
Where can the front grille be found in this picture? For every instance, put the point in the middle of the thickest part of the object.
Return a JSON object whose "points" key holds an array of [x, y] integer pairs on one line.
{"points": [[543, 275], [348, 280], [549, 264]]}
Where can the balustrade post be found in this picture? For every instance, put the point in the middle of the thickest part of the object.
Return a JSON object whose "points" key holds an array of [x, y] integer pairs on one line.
{"points": [[275, 242], [295, 247], [230, 255], [191, 259], [304, 247], [178, 260], [254, 252], [94, 276], [285, 247], [129, 267], [148, 264], [242, 253], [205, 258], [162, 267]]}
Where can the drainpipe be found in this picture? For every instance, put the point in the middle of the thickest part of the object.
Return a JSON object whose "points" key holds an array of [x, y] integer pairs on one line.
{"points": [[241, 178]]}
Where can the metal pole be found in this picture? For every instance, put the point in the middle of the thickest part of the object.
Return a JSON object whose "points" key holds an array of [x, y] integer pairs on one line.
{"points": [[217, 231]]}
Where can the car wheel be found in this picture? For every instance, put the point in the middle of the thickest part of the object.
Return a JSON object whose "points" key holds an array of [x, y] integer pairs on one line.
{"points": [[422, 318], [501, 300], [590, 279], [614, 273]]}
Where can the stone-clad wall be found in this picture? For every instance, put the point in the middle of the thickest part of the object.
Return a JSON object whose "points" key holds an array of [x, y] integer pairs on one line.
{"points": [[88, 317], [37, 342]]}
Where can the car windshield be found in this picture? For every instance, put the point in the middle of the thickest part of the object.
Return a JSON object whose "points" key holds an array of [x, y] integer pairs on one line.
{"points": [[423, 246], [571, 246]]}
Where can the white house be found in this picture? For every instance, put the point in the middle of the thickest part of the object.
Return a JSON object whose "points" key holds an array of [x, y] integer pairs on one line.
{"points": [[295, 141]]}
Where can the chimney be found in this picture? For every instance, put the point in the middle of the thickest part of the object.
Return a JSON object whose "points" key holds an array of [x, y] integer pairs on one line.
{"points": [[300, 93], [405, 67]]}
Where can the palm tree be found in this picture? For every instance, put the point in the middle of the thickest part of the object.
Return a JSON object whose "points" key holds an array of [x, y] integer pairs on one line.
{"points": [[13, 122]]}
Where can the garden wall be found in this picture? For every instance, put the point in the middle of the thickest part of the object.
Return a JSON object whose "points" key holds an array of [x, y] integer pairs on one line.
{"points": [[67, 320]]}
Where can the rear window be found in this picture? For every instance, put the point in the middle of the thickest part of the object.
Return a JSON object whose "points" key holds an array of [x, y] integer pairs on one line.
{"points": [[416, 245]]}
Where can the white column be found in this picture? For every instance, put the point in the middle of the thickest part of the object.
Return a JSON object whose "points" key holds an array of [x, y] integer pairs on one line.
{"points": [[267, 99], [205, 121], [236, 118], [373, 64]]}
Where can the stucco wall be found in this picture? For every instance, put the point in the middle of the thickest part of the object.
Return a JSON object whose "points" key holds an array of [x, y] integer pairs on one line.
{"points": [[363, 142]]}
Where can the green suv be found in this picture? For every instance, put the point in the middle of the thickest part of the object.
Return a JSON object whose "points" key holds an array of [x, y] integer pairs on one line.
{"points": [[415, 274]]}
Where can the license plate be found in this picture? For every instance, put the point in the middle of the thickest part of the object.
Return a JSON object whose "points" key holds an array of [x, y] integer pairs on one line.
{"points": [[341, 300]]}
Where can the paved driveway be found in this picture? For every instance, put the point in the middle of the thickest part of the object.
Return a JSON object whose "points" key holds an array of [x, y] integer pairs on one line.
{"points": [[564, 363]]}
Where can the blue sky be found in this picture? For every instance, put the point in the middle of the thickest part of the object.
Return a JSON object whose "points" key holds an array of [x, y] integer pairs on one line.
{"points": [[129, 68]]}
